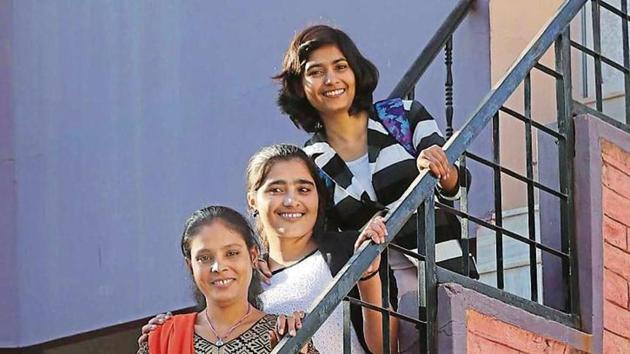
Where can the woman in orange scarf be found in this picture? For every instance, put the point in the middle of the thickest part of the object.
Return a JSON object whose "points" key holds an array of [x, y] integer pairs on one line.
{"points": [[220, 250]]}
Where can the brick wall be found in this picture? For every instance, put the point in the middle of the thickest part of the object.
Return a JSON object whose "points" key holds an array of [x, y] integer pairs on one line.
{"points": [[486, 334], [471, 322], [616, 232]]}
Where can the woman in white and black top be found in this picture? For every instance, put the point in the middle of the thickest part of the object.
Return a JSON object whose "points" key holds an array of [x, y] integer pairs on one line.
{"points": [[286, 196], [327, 90]]}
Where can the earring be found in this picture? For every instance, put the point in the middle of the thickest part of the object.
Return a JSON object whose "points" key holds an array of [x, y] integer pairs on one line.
{"points": [[255, 213]]}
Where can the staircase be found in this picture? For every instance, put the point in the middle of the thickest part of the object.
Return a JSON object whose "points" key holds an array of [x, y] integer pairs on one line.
{"points": [[491, 110]]}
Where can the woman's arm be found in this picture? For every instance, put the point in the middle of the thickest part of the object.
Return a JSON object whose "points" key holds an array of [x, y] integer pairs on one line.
{"points": [[370, 292]]}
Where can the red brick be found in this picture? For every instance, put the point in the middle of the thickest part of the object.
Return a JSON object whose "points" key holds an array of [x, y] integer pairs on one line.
{"points": [[614, 344], [616, 319], [616, 206], [616, 180], [498, 331], [617, 260], [615, 233], [615, 288], [480, 345], [615, 156]]}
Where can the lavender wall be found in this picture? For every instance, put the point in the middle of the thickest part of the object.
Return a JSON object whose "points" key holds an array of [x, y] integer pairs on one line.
{"points": [[8, 232], [119, 118]]}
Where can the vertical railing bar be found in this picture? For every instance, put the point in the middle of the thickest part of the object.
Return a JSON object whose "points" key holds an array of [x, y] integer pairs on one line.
{"points": [[584, 56], [529, 166], [566, 155], [346, 327], [421, 265], [449, 110], [498, 209], [420, 232], [626, 58], [597, 47], [448, 86], [463, 206], [430, 273], [385, 300]]}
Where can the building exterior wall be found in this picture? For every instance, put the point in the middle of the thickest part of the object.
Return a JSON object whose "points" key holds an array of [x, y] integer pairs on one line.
{"points": [[616, 223], [488, 334], [470, 322], [120, 118], [513, 25], [9, 296], [601, 226]]}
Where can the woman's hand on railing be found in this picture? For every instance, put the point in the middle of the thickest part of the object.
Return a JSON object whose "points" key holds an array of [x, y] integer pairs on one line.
{"points": [[434, 159], [289, 325], [153, 323], [376, 231]]}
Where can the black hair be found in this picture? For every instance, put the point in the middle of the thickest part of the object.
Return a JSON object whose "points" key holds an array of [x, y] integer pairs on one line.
{"points": [[234, 221], [260, 164], [291, 97]]}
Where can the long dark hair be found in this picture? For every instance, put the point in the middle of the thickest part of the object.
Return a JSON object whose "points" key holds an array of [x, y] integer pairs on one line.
{"points": [[234, 221], [291, 97]]}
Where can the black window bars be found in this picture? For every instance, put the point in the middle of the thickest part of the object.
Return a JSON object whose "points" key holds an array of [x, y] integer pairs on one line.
{"points": [[419, 197]]}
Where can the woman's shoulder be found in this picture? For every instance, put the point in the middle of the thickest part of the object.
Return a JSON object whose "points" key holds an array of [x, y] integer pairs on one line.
{"points": [[181, 322], [269, 319], [185, 318]]}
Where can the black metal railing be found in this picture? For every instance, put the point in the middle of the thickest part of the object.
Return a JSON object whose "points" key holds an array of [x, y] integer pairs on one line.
{"points": [[592, 48], [419, 197]]}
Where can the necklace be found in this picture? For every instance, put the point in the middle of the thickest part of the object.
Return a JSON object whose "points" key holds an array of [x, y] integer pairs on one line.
{"points": [[220, 339]]}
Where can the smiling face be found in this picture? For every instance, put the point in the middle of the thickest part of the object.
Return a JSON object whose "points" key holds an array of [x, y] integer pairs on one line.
{"points": [[221, 263], [328, 81], [287, 200]]}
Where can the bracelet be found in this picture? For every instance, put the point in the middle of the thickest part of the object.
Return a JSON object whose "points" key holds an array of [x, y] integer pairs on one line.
{"points": [[369, 275]]}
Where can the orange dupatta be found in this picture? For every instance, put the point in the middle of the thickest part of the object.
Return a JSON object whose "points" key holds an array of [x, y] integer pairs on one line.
{"points": [[174, 336]]}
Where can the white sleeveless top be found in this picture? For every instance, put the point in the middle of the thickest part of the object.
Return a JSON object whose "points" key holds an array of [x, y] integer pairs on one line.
{"points": [[295, 288]]}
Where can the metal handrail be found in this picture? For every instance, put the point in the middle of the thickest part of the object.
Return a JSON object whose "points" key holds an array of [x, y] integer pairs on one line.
{"points": [[422, 187]]}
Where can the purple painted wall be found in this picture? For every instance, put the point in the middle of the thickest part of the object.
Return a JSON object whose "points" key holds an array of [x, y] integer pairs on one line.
{"points": [[8, 241], [119, 118]]}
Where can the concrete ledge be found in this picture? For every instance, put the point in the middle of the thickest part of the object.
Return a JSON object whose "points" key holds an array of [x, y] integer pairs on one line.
{"points": [[455, 304]]}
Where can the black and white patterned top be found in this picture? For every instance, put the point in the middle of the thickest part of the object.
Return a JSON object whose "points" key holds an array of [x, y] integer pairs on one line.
{"points": [[393, 169], [255, 340]]}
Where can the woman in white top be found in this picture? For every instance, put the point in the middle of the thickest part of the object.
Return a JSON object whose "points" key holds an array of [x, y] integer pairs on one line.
{"points": [[286, 197]]}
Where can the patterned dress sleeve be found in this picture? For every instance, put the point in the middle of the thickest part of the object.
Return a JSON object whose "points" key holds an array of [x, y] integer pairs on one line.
{"points": [[144, 348], [311, 348]]}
